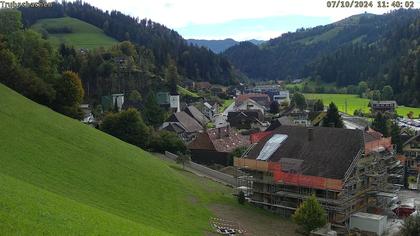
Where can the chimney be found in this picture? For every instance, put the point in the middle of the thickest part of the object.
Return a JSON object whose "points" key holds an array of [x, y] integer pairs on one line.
{"points": [[310, 134]]}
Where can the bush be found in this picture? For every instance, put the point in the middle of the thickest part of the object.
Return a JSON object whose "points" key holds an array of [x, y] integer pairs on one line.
{"points": [[241, 197], [411, 226], [167, 141], [127, 126], [310, 215]]}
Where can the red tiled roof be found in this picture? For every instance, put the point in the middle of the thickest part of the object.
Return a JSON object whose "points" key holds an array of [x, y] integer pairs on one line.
{"points": [[241, 98]]}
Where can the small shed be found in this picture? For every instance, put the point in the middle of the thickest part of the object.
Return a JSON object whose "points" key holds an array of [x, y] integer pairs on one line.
{"points": [[368, 222]]}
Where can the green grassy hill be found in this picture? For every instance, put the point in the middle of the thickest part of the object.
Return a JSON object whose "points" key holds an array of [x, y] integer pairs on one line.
{"points": [[83, 35], [60, 177]]}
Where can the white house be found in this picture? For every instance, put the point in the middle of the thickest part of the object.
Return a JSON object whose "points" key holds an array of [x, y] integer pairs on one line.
{"points": [[209, 110], [282, 97], [249, 104]]}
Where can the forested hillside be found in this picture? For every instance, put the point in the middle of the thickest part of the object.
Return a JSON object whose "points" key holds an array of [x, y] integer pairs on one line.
{"points": [[380, 49], [195, 63]]}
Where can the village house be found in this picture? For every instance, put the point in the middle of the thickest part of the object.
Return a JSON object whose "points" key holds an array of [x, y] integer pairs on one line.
{"points": [[215, 145], [383, 106], [202, 86], [288, 165], [247, 119], [411, 150], [260, 98], [197, 115], [185, 126], [282, 121], [282, 97], [249, 104], [210, 110]]}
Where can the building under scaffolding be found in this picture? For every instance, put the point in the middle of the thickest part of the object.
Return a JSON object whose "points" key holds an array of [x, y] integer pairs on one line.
{"points": [[344, 169]]}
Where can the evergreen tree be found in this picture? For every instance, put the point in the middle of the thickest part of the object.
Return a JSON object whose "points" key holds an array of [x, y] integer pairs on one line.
{"points": [[319, 105], [172, 77], [274, 107], [153, 114], [381, 124], [395, 136], [310, 215], [333, 117], [241, 197]]}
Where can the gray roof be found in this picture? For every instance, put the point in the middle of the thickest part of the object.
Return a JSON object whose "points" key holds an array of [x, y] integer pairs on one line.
{"points": [[197, 115], [189, 123], [329, 154]]}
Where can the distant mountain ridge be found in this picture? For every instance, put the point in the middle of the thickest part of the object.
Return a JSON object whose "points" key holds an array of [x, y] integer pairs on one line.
{"points": [[218, 46], [285, 57]]}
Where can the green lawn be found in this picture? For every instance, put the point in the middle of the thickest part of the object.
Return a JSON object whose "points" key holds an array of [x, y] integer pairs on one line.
{"points": [[226, 103], [84, 35], [186, 92], [60, 177], [354, 102]]}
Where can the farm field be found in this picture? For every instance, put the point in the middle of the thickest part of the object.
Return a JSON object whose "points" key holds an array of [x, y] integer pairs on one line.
{"points": [[354, 102], [61, 177], [83, 35]]}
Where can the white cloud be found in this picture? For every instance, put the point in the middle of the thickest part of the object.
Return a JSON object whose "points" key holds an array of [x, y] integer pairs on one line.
{"points": [[180, 13]]}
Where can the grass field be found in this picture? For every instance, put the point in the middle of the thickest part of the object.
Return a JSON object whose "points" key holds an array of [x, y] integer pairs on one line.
{"points": [[186, 92], [226, 103], [349, 102], [60, 177], [84, 35]]}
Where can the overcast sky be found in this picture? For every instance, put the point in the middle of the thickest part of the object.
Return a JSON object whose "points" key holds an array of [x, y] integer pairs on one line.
{"points": [[237, 19]]}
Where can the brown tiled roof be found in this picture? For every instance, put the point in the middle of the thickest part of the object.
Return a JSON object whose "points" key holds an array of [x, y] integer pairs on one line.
{"points": [[202, 85], [219, 139], [197, 115], [329, 154], [260, 98], [189, 123], [372, 135]]}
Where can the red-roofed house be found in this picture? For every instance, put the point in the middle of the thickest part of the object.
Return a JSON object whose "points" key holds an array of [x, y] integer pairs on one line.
{"points": [[260, 98]]}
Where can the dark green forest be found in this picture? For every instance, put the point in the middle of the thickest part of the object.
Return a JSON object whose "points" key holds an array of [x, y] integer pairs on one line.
{"points": [[195, 63]]}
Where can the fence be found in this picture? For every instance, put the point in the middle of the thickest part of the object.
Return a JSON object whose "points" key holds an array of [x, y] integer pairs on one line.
{"points": [[225, 178]]}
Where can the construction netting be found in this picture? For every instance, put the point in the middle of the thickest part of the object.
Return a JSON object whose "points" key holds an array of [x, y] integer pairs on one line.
{"points": [[303, 180], [287, 177]]}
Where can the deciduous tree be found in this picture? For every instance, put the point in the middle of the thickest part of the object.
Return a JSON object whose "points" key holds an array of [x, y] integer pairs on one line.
{"points": [[310, 215]]}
